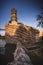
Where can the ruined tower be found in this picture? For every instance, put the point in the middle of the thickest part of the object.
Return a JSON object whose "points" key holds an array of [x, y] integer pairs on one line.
{"points": [[13, 16], [10, 27], [17, 32]]}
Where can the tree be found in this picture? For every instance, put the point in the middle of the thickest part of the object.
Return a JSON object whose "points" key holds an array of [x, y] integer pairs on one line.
{"points": [[40, 19]]}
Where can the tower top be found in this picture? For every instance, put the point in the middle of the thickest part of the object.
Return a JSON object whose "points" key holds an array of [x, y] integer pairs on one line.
{"points": [[14, 10], [13, 16]]}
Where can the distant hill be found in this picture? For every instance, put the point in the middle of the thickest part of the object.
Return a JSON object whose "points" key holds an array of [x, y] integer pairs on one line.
{"points": [[2, 37], [2, 29]]}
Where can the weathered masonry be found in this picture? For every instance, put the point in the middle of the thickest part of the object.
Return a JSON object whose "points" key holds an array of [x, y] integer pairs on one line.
{"points": [[15, 31]]}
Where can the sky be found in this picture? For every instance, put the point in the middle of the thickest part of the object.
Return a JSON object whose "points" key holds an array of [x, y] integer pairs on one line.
{"points": [[27, 10]]}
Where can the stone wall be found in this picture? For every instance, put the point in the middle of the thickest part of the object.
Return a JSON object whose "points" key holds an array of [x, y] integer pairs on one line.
{"points": [[20, 32]]}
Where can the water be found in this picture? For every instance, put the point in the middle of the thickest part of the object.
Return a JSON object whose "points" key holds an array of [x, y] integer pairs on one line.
{"points": [[20, 56], [2, 46], [2, 43]]}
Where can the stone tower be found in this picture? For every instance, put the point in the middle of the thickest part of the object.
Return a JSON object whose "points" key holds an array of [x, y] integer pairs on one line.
{"points": [[13, 16], [17, 32]]}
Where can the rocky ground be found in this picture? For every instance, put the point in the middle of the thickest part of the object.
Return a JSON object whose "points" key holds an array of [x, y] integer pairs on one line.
{"points": [[35, 54]]}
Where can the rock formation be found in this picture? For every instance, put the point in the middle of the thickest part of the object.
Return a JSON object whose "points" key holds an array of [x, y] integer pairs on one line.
{"points": [[20, 56], [20, 32], [15, 32]]}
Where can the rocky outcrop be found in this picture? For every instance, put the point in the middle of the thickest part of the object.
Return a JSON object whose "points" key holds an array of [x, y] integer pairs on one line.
{"points": [[20, 32], [17, 32]]}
